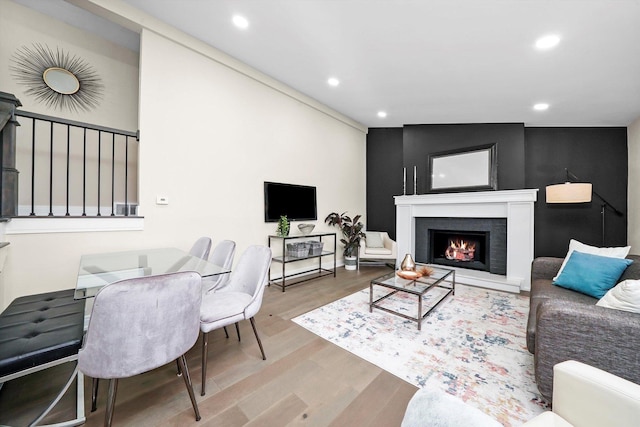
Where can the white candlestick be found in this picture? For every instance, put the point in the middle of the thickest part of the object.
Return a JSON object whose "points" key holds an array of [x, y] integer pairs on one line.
{"points": [[404, 181], [415, 180]]}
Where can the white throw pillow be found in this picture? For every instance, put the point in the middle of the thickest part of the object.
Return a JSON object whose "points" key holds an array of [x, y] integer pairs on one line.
{"points": [[624, 296], [374, 239], [574, 245]]}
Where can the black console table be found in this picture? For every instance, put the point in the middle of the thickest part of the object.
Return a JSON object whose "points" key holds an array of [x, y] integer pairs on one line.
{"points": [[284, 259]]}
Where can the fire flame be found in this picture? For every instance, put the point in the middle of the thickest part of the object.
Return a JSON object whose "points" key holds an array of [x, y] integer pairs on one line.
{"points": [[460, 250], [462, 245]]}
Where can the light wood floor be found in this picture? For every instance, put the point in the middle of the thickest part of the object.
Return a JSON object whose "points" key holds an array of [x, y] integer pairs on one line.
{"points": [[304, 381]]}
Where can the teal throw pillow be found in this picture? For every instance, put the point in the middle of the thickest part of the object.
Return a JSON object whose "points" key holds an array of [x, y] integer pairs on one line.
{"points": [[591, 274]]}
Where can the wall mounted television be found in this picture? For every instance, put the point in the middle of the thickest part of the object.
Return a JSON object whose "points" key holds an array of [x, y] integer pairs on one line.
{"points": [[297, 202]]}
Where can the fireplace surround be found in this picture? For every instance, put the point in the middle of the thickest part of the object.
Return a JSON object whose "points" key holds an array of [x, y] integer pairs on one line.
{"points": [[515, 208]]}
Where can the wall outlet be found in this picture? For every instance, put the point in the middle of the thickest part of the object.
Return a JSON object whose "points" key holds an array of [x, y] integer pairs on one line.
{"points": [[162, 200]]}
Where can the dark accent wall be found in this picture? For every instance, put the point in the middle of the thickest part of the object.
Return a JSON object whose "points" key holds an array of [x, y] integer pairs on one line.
{"points": [[595, 155], [384, 178], [527, 158], [419, 141]]}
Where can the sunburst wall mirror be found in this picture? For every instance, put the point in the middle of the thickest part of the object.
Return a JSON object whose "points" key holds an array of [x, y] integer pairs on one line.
{"points": [[57, 78]]}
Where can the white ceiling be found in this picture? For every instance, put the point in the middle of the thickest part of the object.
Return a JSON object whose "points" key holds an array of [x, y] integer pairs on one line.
{"points": [[435, 61]]}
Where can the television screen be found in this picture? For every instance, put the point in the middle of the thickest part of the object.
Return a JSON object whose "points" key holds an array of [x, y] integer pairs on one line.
{"points": [[297, 202]]}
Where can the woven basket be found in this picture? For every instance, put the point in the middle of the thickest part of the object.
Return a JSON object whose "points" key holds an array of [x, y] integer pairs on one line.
{"points": [[297, 250], [315, 247]]}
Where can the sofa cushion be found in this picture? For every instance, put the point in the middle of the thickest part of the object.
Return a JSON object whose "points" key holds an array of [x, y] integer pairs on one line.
{"points": [[574, 245], [591, 274], [542, 290], [40, 329], [633, 271], [374, 239], [377, 251], [624, 296]]}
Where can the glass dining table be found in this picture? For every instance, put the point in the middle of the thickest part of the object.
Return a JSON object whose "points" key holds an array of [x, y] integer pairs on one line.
{"points": [[98, 270]]}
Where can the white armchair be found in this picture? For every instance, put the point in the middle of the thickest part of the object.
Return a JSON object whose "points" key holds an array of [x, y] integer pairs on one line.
{"points": [[584, 396], [378, 248]]}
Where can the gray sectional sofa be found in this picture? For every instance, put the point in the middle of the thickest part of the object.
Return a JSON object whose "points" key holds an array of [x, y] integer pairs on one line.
{"points": [[567, 325]]}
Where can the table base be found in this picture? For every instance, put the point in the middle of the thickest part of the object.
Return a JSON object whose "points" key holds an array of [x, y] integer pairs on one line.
{"points": [[374, 304]]}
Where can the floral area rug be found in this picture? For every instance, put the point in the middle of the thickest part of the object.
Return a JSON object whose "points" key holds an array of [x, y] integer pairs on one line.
{"points": [[471, 346]]}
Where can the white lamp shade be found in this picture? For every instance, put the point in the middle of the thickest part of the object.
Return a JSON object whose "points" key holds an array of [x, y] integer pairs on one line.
{"points": [[569, 192]]}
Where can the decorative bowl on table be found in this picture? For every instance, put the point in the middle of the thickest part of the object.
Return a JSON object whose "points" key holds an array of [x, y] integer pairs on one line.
{"points": [[409, 275], [306, 228]]}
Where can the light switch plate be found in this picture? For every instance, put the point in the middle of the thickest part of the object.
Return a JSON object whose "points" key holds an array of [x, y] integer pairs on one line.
{"points": [[162, 200]]}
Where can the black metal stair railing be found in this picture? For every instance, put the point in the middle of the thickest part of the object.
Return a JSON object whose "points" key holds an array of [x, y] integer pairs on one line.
{"points": [[47, 135]]}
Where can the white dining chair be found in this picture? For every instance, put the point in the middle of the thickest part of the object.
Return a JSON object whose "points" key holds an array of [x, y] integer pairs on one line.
{"points": [[222, 255], [201, 248], [140, 324], [240, 300]]}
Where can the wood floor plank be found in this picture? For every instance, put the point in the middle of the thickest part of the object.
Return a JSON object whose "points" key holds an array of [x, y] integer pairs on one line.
{"points": [[341, 365], [271, 392], [232, 417], [267, 371], [280, 414], [394, 408], [324, 407], [367, 406], [321, 387]]}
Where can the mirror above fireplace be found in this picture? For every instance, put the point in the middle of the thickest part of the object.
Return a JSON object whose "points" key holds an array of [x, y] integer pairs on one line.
{"points": [[470, 169]]}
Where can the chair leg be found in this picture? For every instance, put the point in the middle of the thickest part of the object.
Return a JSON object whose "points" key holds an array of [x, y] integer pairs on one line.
{"points": [[205, 350], [225, 331], [255, 331], [94, 394], [182, 362], [238, 331], [179, 369], [111, 402]]}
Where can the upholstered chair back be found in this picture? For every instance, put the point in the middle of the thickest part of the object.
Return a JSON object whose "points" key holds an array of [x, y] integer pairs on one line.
{"points": [[250, 276], [222, 255], [201, 248], [139, 324]]}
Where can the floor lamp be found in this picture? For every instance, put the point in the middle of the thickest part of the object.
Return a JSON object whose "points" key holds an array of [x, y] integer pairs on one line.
{"points": [[577, 192]]}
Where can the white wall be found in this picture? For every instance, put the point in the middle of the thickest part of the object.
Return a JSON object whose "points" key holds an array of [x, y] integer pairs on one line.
{"points": [[633, 225], [210, 136]]}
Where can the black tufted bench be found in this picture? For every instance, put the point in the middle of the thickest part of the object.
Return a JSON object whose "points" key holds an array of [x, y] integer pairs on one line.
{"points": [[41, 331]]}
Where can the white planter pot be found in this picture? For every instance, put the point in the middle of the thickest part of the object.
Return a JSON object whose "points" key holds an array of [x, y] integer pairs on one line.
{"points": [[350, 263]]}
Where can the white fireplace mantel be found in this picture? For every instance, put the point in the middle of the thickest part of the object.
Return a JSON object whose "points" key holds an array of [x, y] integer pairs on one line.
{"points": [[517, 206]]}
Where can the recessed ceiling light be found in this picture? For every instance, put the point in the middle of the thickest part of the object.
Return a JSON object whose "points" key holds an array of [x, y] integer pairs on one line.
{"points": [[547, 42], [240, 22], [382, 114], [333, 82], [541, 106]]}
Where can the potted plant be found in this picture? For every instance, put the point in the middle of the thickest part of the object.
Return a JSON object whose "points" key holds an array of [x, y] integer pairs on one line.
{"points": [[352, 233], [283, 226]]}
